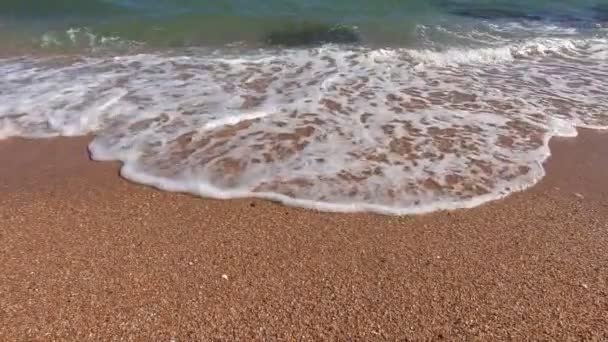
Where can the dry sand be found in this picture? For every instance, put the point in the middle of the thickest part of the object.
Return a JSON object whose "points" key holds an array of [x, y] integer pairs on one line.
{"points": [[87, 255]]}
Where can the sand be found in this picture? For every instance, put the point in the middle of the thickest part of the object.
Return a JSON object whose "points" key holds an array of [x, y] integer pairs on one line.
{"points": [[86, 255]]}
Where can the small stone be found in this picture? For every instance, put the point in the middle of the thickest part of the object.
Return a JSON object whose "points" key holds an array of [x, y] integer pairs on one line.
{"points": [[190, 263], [579, 195], [225, 276], [585, 286]]}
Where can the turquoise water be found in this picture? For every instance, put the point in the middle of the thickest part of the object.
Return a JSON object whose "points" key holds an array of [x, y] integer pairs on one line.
{"points": [[348, 105], [175, 23]]}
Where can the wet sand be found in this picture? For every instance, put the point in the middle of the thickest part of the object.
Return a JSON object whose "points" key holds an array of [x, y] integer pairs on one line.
{"points": [[86, 255]]}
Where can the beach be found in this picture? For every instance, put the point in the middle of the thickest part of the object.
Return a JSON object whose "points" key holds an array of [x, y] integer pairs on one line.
{"points": [[87, 255], [184, 170]]}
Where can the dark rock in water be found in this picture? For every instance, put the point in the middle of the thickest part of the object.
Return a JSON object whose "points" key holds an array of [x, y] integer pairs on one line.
{"points": [[313, 34], [499, 14], [482, 13], [487, 10], [580, 16]]}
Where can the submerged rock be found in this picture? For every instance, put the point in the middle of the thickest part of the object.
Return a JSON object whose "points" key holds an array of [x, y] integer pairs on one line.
{"points": [[313, 34]]}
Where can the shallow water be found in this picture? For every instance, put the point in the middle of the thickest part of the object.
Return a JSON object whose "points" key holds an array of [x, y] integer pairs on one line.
{"points": [[449, 104]]}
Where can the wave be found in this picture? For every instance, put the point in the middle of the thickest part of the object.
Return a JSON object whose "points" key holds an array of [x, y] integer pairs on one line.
{"points": [[487, 42], [510, 52], [188, 23], [85, 38], [332, 128], [185, 33]]}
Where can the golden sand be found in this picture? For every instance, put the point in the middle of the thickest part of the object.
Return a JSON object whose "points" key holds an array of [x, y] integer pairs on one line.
{"points": [[86, 255]]}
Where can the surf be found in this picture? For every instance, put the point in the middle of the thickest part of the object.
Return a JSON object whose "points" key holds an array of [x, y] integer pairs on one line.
{"points": [[332, 128], [445, 105]]}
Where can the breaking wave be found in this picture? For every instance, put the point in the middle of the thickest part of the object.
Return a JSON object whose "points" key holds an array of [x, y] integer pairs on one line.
{"points": [[335, 128]]}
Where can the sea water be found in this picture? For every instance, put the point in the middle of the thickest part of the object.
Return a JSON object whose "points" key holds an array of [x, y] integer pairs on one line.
{"points": [[393, 107]]}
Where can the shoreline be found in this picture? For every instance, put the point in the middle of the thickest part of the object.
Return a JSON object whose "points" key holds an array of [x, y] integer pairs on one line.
{"points": [[85, 254]]}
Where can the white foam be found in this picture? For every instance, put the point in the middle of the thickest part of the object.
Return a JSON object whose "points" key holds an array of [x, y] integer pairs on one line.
{"points": [[83, 37], [326, 128], [562, 128], [231, 120], [505, 53]]}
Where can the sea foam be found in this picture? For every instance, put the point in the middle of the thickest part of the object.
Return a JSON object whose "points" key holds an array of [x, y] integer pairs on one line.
{"points": [[334, 128]]}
